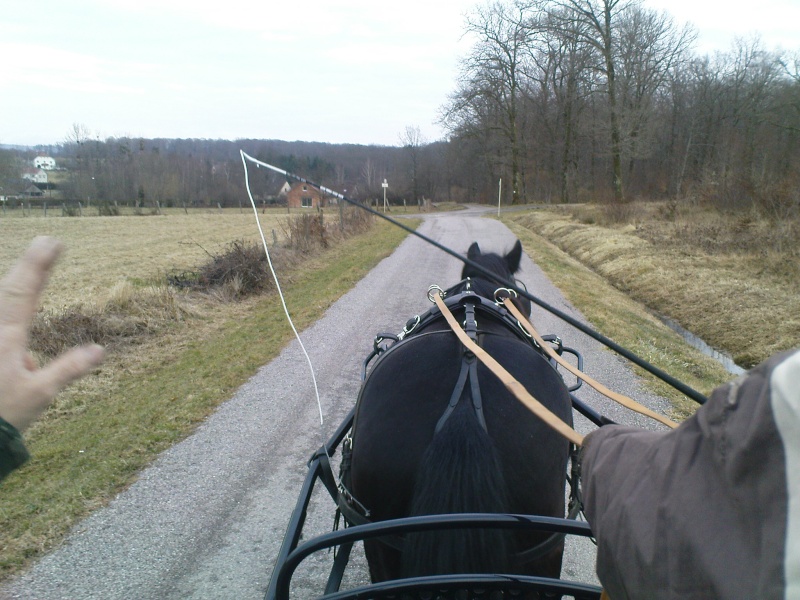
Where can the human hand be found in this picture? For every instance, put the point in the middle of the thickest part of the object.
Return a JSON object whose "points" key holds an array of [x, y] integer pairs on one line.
{"points": [[25, 390]]}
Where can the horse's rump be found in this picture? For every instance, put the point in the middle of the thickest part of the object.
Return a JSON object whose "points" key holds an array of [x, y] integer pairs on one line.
{"points": [[404, 398]]}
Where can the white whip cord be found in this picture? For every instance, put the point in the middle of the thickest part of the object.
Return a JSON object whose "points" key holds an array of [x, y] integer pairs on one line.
{"points": [[275, 277]]}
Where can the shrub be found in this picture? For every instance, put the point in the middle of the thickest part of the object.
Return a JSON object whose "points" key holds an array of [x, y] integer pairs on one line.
{"points": [[128, 314], [240, 270]]}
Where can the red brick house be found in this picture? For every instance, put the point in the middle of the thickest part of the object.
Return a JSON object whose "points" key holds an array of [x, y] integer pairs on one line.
{"points": [[305, 195]]}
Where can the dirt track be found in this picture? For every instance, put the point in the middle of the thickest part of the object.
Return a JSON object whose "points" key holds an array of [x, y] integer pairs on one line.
{"points": [[207, 518]]}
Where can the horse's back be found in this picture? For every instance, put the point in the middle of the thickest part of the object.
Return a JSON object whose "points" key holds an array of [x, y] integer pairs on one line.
{"points": [[406, 395]]}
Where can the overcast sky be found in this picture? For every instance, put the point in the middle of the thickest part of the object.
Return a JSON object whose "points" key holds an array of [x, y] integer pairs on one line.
{"points": [[339, 71]]}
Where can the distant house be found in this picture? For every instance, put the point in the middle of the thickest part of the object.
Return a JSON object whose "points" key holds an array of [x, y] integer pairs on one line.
{"points": [[34, 175], [44, 162], [304, 195], [283, 191], [32, 192]]}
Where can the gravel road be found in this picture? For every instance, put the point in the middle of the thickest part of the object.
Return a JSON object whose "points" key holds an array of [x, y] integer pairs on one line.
{"points": [[207, 518]]}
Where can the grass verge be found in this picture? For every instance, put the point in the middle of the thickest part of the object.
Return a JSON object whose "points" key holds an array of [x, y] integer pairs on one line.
{"points": [[740, 297], [623, 319], [110, 425]]}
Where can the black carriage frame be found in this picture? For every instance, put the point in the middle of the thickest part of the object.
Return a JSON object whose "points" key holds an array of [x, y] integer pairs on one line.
{"points": [[293, 552]]}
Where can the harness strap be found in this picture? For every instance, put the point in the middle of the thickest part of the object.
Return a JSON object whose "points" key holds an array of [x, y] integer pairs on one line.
{"points": [[470, 324], [469, 372], [618, 398], [477, 402], [513, 386], [458, 391], [340, 560]]}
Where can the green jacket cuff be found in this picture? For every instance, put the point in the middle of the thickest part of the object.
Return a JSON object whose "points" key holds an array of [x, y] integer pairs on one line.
{"points": [[13, 453]]}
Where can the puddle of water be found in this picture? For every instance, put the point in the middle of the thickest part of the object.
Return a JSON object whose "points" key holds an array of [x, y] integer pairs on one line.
{"points": [[725, 360]]}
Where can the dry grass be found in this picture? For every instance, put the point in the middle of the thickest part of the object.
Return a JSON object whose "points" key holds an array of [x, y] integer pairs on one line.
{"points": [[128, 315], [614, 314], [738, 291], [101, 252]]}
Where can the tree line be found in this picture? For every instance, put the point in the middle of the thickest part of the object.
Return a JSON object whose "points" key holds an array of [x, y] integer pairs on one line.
{"points": [[203, 172], [570, 100]]}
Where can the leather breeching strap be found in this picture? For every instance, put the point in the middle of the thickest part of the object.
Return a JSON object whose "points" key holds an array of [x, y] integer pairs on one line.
{"points": [[468, 374], [508, 380]]}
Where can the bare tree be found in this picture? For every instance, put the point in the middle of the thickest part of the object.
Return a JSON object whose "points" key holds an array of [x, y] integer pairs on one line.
{"points": [[78, 142], [413, 140], [9, 173], [650, 48], [599, 20], [491, 79], [559, 69], [369, 174]]}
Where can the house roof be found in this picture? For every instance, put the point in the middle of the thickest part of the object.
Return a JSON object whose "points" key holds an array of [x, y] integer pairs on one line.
{"points": [[281, 188], [298, 184]]}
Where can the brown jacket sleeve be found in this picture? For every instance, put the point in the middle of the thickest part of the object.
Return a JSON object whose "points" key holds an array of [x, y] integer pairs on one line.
{"points": [[701, 511]]}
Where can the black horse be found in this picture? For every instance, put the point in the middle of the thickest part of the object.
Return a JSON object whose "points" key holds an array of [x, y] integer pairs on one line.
{"points": [[437, 433]]}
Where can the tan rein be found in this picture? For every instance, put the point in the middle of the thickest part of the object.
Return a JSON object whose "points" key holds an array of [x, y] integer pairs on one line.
{"points": [[508, 380], [619, 398]]}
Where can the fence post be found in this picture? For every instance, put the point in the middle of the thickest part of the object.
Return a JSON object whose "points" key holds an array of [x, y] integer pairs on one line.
{"points": [[274, 238], [80, 209], [219, 206], [158, 207], [44, 206]]}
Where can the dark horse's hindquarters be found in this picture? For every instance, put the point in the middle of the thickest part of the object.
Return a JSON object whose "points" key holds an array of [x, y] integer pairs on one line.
{"points": [[516, 465]]}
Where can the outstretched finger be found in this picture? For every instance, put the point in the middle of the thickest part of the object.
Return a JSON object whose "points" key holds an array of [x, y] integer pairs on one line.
{"points": [[21, 288], [68, 367]]}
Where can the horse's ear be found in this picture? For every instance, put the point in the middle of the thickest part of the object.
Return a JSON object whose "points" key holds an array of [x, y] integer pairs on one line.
{"points": [[474, 251], [514, 257]]}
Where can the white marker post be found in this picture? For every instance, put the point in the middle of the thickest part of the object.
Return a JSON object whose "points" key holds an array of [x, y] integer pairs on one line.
{"points": [[384, 185], [499, 195]]}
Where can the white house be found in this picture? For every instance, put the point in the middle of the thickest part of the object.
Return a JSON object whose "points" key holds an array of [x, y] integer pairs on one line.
{"points": [[44, 162], [35, 175]]}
